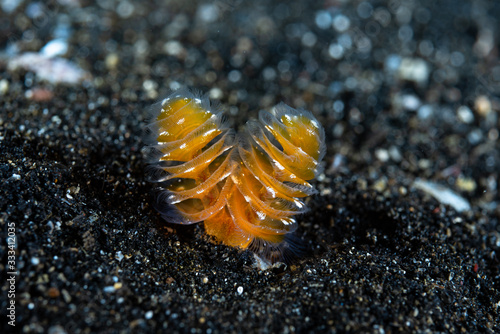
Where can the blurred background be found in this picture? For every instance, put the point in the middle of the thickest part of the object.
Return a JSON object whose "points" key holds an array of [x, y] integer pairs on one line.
{"points": [[413, 83]]}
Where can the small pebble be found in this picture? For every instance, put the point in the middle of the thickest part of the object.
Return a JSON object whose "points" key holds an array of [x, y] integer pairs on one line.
{"points": [[109, 289], [414, 69], [382, 155], [402, 191], [465, 115], [410, 102], [380, 185], [466, 184], [119, 256], [53, 292], [112, 61], [54, 48], [216, 93], [174, 48], [425, 112], [57, 329], [482, 105], [4, 86]]}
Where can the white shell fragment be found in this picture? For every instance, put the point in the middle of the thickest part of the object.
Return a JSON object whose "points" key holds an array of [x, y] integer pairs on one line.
{"points": [[52, 69], [443, 194]]}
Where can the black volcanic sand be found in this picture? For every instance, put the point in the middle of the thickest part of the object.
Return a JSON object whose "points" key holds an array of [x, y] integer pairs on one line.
{"points": [[406, 90]]}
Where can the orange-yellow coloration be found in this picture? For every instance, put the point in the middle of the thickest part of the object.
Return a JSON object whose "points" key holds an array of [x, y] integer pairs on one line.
{"points": [[244, 190]]}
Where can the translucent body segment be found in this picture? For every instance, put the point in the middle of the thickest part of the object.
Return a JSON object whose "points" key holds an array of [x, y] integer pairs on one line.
{"points": [[255, 192], [195, 210], [172, 104], [249, 221], [292, 133], [298, 163], [192, 168], [184, 120], [261, 168], [189, 188], [304, 130], [187, 148]]}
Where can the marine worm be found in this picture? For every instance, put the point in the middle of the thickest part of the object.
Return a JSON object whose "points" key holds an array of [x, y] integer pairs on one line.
{"points": [[246, 187]]}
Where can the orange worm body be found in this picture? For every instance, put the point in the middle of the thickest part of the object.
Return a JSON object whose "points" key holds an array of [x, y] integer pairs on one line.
{"points": [[247, 187]]}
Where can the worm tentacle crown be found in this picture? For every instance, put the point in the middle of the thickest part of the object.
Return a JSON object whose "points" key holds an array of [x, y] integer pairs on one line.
{"points": [[245, 188]]}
